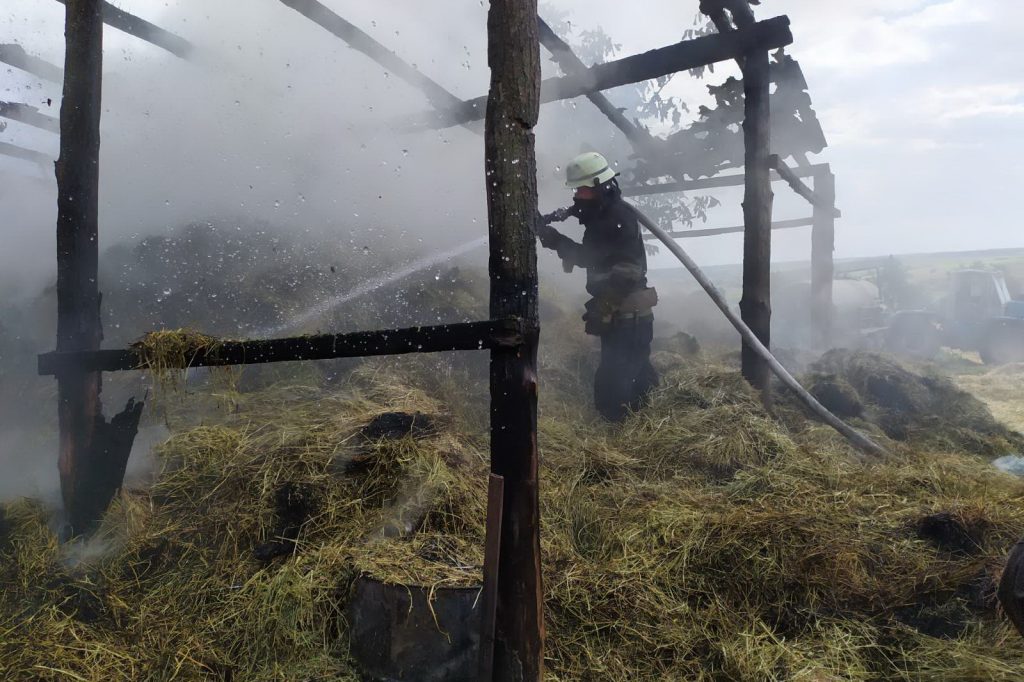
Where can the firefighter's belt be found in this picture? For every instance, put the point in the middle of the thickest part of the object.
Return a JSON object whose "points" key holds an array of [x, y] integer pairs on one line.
{"points": [[601, 312]]}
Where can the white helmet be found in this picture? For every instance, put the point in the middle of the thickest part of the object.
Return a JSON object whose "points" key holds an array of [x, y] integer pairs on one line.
{"points": [[589, 169]]}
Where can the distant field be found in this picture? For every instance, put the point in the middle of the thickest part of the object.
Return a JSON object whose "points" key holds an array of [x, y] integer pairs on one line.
{"points": [[924, 269]]}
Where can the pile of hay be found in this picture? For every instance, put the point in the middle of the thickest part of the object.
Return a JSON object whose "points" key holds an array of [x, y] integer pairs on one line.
{"points": [[700, 540], [927, 408]]}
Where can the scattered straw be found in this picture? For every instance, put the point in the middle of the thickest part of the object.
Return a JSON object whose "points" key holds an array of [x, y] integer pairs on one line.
{"points": [[702, 539]]}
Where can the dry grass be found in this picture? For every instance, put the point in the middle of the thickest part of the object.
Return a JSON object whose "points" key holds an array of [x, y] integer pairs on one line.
{"points": [[1001, 391], [700, 540], [167, 355]]}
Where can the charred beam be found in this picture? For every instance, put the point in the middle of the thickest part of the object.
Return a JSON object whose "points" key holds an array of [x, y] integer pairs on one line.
{"points": [[791, 178], [755, 305], [715, 231], [14, 151], [144, 30], [16, 56], [449, 337], [29, 115], [689, 54], [734, 180], [510, 165], [572, 65], [362, 42], [739, 10]]}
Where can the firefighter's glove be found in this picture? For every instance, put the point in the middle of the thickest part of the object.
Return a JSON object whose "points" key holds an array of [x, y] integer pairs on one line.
{"points": [[559, 215], [549, 237]]}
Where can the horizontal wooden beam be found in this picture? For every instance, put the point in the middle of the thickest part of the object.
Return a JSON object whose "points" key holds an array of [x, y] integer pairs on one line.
{"points": [[29, 115], [794, 181], [16, 56], [734, 180], [449, 337], [14, 151], [712, 232], [144, 30], [572, 65], [362, 42], [688, 54]]}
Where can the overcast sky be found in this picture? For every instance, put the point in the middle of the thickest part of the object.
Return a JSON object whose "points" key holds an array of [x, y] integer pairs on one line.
{"points": [[922, 102]]}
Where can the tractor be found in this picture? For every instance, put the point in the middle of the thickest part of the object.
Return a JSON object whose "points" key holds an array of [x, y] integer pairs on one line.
{"points": [[977, 313]]}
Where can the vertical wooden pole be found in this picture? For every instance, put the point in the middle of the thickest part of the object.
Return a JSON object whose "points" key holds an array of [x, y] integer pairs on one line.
{"points": [[755, 306], [78, 297], [823, 236], [513, 104]]}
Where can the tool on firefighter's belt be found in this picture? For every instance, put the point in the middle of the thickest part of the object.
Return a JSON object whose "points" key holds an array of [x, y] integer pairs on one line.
{"points": [[557, 216], [597, 319]]}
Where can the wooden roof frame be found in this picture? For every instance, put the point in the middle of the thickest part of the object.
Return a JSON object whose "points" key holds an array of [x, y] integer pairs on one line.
{"points": [[93, 452]]}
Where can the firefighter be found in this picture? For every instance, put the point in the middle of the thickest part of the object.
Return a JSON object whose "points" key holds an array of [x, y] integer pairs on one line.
{"points": [[613, 254]]}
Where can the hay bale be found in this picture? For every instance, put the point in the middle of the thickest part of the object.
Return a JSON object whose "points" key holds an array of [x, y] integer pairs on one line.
{"points": [[924, 408], [836, 395]]}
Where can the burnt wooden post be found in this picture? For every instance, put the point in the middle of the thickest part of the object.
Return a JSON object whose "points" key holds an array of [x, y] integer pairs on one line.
{"points": [[823, 236], [755, 306], [93, 454], [513, 105], [78, 296]]}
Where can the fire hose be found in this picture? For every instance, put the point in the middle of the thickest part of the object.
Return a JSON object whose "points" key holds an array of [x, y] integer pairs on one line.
{"points": [[858, 439]]}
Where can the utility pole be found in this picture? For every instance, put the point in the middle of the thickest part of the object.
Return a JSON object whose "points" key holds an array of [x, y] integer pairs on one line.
{"points": [[513, 105]]}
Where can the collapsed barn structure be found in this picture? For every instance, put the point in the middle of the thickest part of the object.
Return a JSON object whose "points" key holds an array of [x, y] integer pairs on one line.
{"points": [[94, 451]]}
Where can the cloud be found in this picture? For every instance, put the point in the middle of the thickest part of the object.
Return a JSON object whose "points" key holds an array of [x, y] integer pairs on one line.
{"points": [[948, 105]]}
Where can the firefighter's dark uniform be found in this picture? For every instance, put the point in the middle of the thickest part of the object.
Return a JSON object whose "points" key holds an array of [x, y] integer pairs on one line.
{"points": [[620, 312]]}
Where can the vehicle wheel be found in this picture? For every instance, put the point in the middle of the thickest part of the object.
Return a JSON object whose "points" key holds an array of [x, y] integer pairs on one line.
{"points": [[1003, 342]]}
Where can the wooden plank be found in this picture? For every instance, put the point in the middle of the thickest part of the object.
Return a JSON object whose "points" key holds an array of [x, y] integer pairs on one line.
{"points": [[734, 180], [16, 152], [16, 56], [144, 30], [791, 178], [492, 556], [362, 42], [433, 339], [510, 165], [755, 305], [688, 54], [572, 65], [715, 231], [29, 115], [823, 237]]}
